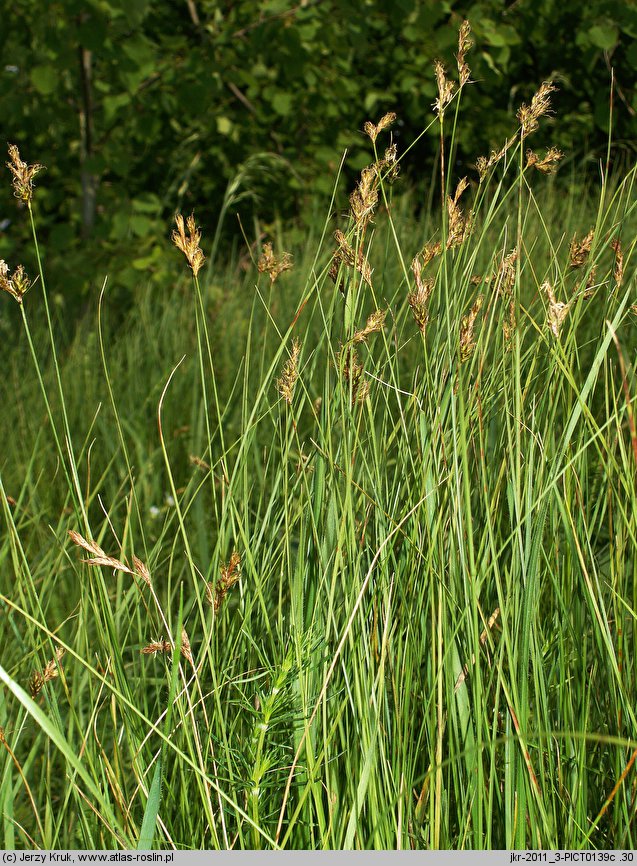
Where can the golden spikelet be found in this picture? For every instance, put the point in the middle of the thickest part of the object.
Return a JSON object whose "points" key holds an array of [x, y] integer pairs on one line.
{"points": [[509, 326], [529, 115], [290, 373], [618, 265], [51, 670], [374, 130], [374, 323], [465, 44], [189, 243], [547, 165], [141, 569], [199, 463], [99, 557], [445, 89], [557, 311], [269, 264], [579, 251], [23, 175], [467, 326], [17, 285]]}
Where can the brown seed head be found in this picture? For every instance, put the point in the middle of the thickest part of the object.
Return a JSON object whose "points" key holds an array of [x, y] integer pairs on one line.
{"points": [[618, 266], [186, 650], [467, 326], [23, 175], [548, 165], [529, 115], [157, 646], [141, 569], [271, 265], [578, 251], [99, 557], [17, 285], [465, 43], [353, 371], [374, 323], [509, 326], [346, 255], [290, 373], [505, 277], [230, 574], [189, 243], [52, 670], [557, 310], [374, 130], [445, 89]]}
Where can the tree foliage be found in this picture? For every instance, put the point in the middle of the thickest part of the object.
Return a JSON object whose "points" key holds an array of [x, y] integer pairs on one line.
{"points": [[140, 108]]}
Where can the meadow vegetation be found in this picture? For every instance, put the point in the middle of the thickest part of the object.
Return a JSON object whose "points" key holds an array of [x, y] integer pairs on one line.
{"points": [[335, 547]]}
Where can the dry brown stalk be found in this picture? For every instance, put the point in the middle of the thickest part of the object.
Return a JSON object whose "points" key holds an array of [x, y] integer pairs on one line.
{"points": [[189, 243], [290, 373], [465, 43], [529, 115], [17, 285], [51, 670], [467, 341], [374, 130], [271, 265], [23, 175], [374, 323], [579, 251]]}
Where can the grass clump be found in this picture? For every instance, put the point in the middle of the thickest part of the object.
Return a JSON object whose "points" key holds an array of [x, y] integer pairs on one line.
{"points": [[361, 543]]}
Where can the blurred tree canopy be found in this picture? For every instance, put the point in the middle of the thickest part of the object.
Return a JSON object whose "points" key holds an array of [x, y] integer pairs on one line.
{"points": [[139, 108]]}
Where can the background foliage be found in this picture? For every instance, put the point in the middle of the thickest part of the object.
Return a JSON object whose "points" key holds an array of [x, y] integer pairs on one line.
{"points": [[141, 108]]}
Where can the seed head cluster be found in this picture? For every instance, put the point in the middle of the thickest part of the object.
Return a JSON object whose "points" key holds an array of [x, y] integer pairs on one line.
{"points": [[17, 284], [188, 242], [23, 175]]}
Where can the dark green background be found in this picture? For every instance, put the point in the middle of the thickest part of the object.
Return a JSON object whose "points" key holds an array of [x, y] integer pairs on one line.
{"points": [[140, 108]]}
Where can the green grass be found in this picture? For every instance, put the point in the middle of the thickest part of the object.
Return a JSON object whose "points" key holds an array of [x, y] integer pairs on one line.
{"points": [[432, 640]]}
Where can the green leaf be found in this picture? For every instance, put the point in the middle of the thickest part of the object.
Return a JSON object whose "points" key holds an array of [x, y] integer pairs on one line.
{"points": [[282, 103], [604, 35], [44, 79]]}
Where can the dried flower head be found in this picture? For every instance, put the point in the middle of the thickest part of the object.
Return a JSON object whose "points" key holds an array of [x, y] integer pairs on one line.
{"points": [[465, 44], [419, 300], [467, 326], [578, 251], [352, 371], [459, 225], [230, 574], [23, 175], [483, 164], [374, 130], [548, 165], [445, 89], [17, 285], [99, 557], [557, 310], [52, 670], [290, 373], [509, 326], [199, 463], [157, 646], [270, 264], [505, 276], [186, 650], [346, 255], [374, 323], [189, 243], [529, 115], [141, 570], [364, 198], [618, 265]]}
